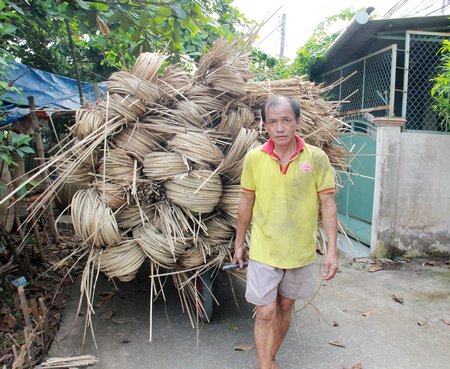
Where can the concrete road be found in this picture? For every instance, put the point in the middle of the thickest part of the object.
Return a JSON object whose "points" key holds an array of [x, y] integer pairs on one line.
{"points": [[352, 320]]}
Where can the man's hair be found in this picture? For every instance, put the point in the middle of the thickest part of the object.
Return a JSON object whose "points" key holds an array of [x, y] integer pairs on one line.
{"points": [[275, 100]]}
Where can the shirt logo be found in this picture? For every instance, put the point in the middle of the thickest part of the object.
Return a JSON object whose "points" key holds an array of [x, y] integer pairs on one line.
{"points": [[306, 167]]}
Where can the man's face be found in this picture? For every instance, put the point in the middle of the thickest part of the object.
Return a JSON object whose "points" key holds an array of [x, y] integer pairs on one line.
{"points": [[281, 124]]}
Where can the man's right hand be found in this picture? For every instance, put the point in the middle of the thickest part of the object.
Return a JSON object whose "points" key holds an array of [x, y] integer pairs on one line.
{"points": [[239, 255]]}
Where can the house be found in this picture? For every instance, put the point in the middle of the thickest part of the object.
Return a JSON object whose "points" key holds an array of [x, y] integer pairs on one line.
{"points": [[395, 196]]}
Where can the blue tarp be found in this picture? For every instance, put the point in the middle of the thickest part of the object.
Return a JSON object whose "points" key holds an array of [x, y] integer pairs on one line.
{"points": [[49, 91]]}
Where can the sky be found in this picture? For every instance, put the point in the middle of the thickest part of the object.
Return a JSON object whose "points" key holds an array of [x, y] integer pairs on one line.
{"points": [[302, 17]]}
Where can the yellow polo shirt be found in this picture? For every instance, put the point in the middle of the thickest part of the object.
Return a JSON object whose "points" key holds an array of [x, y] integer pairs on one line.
{"points": [[286, 208]]}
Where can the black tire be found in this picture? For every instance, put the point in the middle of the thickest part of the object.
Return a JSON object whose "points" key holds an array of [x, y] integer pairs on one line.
{"points": [[205, 288]]}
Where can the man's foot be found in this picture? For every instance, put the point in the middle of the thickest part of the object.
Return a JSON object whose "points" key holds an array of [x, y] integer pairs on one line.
{"points": [[274, 365]]}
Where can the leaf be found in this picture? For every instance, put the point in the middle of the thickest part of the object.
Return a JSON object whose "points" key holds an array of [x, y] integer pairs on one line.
{"points": [[367, 313], [356, 366], [422, 322], [82, 4], [446, 321], [337, 343], [102, 26], [62, 7], [105, 296], [429, 262], [26, 150], [244, 348], [136, 35], [335, 323], [121, 321], [7, 158], [178, 10], [107, 315], [231, 327], [397, 299], [164, 11], [375, 268], [143, 20]]}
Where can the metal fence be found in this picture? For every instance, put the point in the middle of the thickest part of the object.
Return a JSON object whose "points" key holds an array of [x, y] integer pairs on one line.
{"points": [[369, 85], [373, 87], [422, 63]]}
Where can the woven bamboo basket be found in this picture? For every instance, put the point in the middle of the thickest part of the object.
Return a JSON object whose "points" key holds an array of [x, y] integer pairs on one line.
{"points": [[147, 66], [161, 249], [93, 221], [174, 82], [198, 192], [117, 166], [123, 107], [88, 121], [191, 258], [73, 173], [229, 202], [122, 261], [218, 230], [125, 83], [132, 216], [197, 147], [137, 141]]}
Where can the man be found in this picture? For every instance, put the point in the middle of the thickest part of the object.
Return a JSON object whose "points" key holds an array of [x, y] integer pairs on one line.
{"points": [[283, 182]]}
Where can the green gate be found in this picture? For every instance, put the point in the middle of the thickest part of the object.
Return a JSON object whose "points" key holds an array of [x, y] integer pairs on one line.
{"points": [[355, 198]]}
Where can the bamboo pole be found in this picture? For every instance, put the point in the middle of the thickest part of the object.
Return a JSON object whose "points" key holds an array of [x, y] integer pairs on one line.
{"points": [[40, 151]]}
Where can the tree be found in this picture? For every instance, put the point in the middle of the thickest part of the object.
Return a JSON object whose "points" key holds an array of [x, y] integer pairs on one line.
{"points": [[7, 30], [441, 88], [318, 43], [110, 35], [265, 66]]}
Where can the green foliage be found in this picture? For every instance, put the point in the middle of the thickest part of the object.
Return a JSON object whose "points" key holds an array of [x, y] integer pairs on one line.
{"points": [[441, 88], [265, 66], [110, 35], [7, 30], [12, 142], [320, 40]]}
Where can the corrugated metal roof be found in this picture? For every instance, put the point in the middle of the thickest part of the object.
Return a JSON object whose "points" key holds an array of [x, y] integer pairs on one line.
{"points": [[363, 42]]}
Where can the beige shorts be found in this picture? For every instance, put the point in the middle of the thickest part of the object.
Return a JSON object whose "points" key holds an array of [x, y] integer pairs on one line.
{"points": [[264, 283]]}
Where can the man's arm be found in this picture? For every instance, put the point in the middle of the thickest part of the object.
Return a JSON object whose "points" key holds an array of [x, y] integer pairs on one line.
{"points": [[245, 212], [329, 219]]}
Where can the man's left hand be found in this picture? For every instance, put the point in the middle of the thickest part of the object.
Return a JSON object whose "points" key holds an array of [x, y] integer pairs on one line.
{"points": [[331, 267]]}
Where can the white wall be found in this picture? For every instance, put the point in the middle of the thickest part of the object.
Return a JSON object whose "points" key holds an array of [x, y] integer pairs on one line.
{"points": [[422, 213]]}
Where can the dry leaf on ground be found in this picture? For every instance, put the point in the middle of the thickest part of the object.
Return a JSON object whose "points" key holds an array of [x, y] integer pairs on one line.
{"points": [[429, 262], [231, 327], [397, 299], [366, 313], [446, 321], [121, 321], [244, 348], [357, 366], [422, 322], [107, 315], [375, 268], [98, 305], [105, 296], [336, 343]]}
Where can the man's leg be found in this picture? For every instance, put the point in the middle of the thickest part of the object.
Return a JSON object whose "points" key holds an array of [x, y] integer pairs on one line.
{"points": [[264, 334], [282, 322]]}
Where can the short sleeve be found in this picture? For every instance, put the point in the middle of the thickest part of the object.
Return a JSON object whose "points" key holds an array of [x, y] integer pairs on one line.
{"points": [[324, 173], [247, 180]]}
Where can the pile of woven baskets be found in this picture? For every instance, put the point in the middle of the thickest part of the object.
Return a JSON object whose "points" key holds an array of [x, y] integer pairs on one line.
{"points": [[160, 159]]}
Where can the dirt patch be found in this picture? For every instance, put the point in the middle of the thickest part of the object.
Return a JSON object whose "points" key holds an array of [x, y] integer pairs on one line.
{"points": [[31, 307]]}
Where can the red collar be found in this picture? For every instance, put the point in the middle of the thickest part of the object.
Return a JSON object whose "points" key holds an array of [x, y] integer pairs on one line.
{"points": [[269, 147]]}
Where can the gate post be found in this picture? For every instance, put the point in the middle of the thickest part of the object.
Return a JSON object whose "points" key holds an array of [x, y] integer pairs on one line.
{"points": [[386, 181]]}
